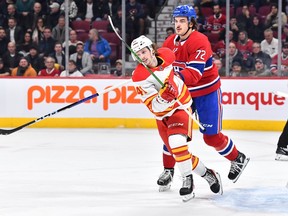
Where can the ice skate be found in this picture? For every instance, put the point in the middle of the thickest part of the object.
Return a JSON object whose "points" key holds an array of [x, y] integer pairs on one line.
{"points": [[165, 179], [186, 192], [237, 167], [281, 154], [214, 181]]}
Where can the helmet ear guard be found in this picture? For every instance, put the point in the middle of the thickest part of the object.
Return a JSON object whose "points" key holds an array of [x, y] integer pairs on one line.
{"points": [[140, 43]]}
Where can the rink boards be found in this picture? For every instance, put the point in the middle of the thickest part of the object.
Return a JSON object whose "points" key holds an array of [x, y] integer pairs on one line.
{"points": [[249, 104]]}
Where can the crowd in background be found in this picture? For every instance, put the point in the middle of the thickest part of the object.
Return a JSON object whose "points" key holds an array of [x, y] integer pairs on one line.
{"points": [[253, 40], [32, 35]]}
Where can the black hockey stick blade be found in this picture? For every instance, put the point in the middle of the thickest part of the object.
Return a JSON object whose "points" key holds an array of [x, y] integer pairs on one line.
{"points": [[10, 131]]}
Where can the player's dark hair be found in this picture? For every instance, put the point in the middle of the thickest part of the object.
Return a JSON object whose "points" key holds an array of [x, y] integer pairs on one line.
{"points": [[195, 24], [154, 46]]}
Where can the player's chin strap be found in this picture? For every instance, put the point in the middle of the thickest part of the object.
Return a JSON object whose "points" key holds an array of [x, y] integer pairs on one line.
{"points": [[151, 72], [186, 31]]}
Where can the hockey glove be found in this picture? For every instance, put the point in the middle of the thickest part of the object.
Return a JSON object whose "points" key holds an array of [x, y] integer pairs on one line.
{"points": [[168, 92]]}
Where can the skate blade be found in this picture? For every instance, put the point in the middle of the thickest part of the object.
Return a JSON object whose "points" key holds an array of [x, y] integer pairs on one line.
{"points": [[245, 164], [220, 183], [280, 157], [164, 188], [186, 198]]}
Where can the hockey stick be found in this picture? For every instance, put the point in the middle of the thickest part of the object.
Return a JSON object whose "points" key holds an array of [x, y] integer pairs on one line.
{"points": [[158, 80], [9, 131], [281, 94]]}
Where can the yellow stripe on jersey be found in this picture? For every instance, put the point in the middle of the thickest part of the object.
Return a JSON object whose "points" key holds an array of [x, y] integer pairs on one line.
{"points": [[183, 158], [180, 149], [148, 100], [195, 161]]}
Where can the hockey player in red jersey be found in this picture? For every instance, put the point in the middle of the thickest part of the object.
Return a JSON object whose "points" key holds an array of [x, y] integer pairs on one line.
{"points": [[167, 103], [194, 65]]}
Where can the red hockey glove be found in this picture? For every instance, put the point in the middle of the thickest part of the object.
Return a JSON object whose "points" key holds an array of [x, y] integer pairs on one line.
{"points": [[168, 92]]}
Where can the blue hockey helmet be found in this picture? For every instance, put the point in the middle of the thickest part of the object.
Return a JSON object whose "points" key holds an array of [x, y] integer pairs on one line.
{"points": [[184, 11]]}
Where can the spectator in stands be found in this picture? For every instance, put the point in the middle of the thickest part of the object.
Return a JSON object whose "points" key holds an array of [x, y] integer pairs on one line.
{"points": [[254, 32], [285, 33], [118, 68], [217, 22], [14, 32], [3, 42], [24, 69], [204, 3], [72, 42], [270, 44], [244, 19], [3, 70], [98, 47], [258, 54], [87, 11], [11, 58], [12, 13], [236, 70], [284, 62], [3, 20], [73, 9], [4, 5], [24, 47], [34, 15], [38, 31], [72, 70], [82, 59], [200, 19], [58, 32], [34, 59], [135, 20], [221, 69], [234, 55], [113, 7], [53, 16], [101, 10], [260, 70], [272, 18], [244, 44], [234, 28], [49, 69], [59, 55], [219, 48], [46, 45], [24, 7], [169, 31]]}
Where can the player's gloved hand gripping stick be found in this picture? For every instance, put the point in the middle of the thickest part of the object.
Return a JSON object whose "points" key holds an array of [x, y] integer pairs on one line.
{"points": [[9, 131], [167, 88]]}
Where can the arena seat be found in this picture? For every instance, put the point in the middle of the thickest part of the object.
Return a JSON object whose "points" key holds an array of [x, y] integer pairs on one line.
{"points": [[264, 10], [82, 36], [80, 26], [207, 11], [111, 37], [101, 24]]}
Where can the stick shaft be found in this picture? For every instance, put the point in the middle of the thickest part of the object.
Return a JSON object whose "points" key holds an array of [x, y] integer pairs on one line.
{"points": [[281, 94], [9, 131]]}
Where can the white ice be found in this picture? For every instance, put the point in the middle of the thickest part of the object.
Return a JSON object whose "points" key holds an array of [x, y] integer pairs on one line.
{"points": [[101, 172]]}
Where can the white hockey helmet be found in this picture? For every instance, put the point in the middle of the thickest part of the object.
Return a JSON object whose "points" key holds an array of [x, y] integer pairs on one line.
{"points": [[140, 43]]}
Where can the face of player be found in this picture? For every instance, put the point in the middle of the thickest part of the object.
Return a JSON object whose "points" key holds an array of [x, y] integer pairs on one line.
{"points": [[181, 25], [146, 56]]}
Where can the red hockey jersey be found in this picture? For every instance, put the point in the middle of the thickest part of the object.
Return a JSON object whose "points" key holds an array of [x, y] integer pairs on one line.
{"points": [[194, 63]]}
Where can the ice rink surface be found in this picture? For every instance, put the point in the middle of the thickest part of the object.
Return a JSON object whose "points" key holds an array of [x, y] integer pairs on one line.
{"points": [[101, 172]]}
